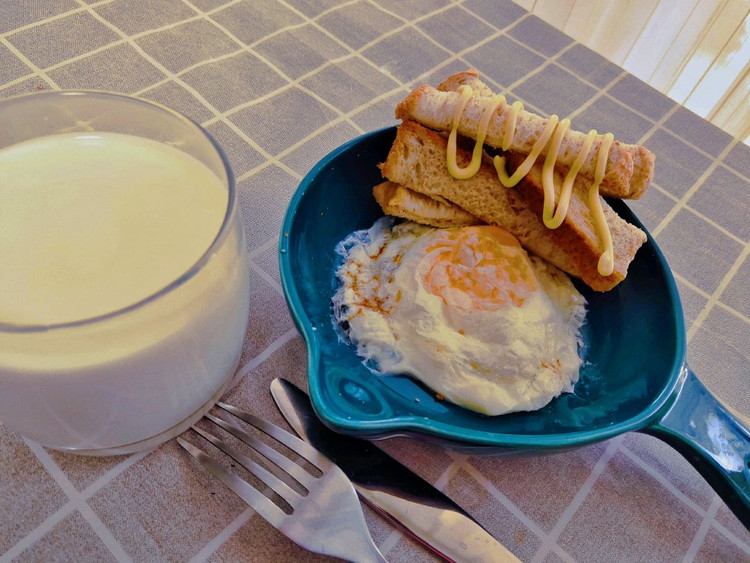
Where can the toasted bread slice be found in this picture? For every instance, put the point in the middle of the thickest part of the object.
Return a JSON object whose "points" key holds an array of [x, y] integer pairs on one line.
{"points": [[417, 160], [629, 168], [400, 201], [465, 78], [577, 235]]}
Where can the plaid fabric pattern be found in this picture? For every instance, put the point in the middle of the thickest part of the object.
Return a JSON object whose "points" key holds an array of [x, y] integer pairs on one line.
{"points": [[280, 83]]}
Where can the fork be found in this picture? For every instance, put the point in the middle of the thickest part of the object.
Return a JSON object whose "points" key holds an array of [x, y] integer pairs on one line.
{"points": [[328, 519]]}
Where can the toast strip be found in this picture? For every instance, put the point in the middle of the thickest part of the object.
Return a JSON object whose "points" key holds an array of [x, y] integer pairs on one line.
{"points": [[417, 160], [399, 201], [577, 235], [629, 167], [466, 78]]}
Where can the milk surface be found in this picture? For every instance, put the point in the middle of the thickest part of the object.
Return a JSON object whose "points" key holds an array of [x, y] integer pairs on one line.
{"points": [[91, 224]]}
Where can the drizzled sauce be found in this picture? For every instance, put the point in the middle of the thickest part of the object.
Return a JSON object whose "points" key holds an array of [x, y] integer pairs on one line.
{"points": [[554, 131], [476, 157]]}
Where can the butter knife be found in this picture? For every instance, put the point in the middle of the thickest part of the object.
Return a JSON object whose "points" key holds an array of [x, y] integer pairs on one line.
{"points": [[392, 489]]}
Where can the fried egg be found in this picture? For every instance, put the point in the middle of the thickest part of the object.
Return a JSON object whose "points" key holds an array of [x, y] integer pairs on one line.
{"points": [[464, 310]]}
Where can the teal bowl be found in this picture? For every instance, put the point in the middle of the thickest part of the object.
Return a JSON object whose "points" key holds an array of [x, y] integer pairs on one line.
{"points": [[635, 376]]}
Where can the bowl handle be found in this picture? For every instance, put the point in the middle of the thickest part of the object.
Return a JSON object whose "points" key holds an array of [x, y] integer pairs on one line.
{"points": [[715, 442]]}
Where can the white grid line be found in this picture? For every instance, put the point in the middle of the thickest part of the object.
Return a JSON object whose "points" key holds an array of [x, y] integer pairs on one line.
{"points": [[730, 536], [509, 505], [692, 189], [268, 245], [290, 82], [37, 72], [447, 61], [499, 496], [76, 500], [676, 199], [192, 90], [549, 541], [707, 515], [44, 21], [663, 481], [212, 546], [713, 299], [690, 285], [264, 355], [390, 541], [267, 277]]}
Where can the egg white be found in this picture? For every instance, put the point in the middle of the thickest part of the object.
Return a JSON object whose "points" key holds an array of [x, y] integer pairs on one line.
{"points": [[492, 359]]}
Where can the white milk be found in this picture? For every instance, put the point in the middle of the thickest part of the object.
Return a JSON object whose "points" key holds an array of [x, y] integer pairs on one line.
{"points": [[91, 224]]}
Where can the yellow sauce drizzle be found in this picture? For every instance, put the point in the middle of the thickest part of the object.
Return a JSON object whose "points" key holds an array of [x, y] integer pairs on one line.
{"points": [[476, 157], [510, 124], [523, 169], [606, 263], [549, 216], [473, 167], [552, 217], [555, 130]]}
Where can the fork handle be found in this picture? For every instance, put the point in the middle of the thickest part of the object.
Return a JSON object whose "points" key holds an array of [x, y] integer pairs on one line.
{"points": [[372, 555]]}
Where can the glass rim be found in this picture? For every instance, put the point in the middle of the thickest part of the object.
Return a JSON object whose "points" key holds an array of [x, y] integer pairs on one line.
{"points": [[179, 281]]}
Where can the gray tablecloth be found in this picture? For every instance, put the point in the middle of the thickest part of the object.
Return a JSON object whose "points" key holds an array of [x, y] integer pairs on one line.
{"points": [[281, 83]]}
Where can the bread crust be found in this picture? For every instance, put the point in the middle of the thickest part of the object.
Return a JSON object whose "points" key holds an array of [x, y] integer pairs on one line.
{"points": [[577, 235], [400, 201], [417, 160], [629, 168], [466, 78]]}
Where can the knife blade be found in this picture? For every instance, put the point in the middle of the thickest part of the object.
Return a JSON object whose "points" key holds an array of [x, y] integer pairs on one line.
{"points": [[389, 487]]}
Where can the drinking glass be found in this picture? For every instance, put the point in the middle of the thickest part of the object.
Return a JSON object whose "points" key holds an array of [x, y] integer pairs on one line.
{"points": [[131, 378]]}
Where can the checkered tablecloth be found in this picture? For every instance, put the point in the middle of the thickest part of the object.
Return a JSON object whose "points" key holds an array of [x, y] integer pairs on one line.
{"points": [[280, 83]]}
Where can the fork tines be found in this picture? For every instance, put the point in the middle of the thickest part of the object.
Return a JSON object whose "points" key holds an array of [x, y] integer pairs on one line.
{"points": [[267, 508], [327, 518]]}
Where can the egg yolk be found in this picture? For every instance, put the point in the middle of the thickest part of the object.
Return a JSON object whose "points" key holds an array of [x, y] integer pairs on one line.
{"points": [[481, 267]]}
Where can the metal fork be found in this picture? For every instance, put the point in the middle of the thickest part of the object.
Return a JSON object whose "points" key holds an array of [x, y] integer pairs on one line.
{"points": [[327, 520]]}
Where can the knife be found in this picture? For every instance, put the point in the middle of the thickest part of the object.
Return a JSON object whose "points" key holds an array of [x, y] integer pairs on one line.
{"points": [[389, 487]]}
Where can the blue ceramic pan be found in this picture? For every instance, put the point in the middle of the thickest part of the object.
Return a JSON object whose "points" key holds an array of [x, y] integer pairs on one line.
{"points": [[635, 378]]}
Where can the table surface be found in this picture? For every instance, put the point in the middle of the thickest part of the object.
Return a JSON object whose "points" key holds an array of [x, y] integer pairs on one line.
{"points": [[280, 84]]}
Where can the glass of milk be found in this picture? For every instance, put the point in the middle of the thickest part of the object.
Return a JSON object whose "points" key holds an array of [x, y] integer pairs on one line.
{"points": [[123, 271]]}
